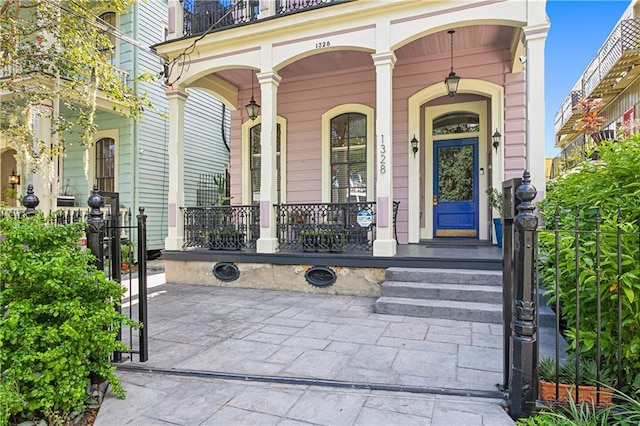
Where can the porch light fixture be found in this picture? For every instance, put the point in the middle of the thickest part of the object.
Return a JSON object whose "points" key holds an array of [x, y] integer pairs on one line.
{"points": [[452, 80], [14, 179], [253, 109], [496, 140], [414, 145]]}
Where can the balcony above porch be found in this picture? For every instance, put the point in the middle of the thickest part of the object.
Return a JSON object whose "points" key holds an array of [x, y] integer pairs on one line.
{"points": [[615, 66], [203, 16]]}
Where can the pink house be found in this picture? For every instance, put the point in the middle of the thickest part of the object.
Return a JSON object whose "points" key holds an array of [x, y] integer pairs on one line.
{"points": [[358, 145]]}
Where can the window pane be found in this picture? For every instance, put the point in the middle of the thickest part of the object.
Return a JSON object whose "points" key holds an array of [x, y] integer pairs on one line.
{"points": [[105, 164], [455, 173], [348, 157], [456, 123], [255, 152]]}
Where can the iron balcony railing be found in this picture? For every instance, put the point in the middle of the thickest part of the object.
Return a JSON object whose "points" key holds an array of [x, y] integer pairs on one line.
{"points": [[200, 16], [603, 71]]}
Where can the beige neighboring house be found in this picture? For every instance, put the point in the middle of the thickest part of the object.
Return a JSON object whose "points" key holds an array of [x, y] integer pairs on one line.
{"points": [[611, 78]]}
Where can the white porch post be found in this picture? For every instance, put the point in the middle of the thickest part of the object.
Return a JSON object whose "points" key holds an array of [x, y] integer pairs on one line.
{"points": [[46, 178], [268, 241], [175, 197], [385, 243], [535, 37]]}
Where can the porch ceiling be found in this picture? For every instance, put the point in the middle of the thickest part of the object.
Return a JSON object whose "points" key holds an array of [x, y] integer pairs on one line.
{"points": [[466, 39]]}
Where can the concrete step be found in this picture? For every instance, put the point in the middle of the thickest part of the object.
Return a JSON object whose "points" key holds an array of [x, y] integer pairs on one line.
{"points": [[428, 291], [443, 309], [444, 276]]}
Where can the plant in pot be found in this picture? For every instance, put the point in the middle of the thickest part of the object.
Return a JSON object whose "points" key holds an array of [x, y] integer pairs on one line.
{"points": [[565, 380], [494, 196], [226, 239], [126, 256]]}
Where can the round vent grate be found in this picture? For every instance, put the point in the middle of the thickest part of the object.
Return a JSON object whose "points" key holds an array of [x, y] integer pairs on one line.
{"points": [[226, 271], [320, 276]]}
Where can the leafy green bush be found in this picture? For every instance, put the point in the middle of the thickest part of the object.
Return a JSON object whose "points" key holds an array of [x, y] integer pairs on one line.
{"points": [[58, 324], [608, 184]]}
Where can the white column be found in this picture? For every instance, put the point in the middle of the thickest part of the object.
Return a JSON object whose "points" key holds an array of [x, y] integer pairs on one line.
{"points": [[175, 237], [385, 243], [268, 241], [46, 177], [535, 37]]}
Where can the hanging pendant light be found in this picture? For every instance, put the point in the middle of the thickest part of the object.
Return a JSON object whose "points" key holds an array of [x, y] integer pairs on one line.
{"points": [[253, 109], [452, 80]]}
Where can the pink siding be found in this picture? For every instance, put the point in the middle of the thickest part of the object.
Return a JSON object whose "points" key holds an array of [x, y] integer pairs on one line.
{"points": [[302, 101]]}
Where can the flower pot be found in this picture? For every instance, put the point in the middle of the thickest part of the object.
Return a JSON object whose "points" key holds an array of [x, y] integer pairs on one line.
{"points": [[124, 266], [497, 223], [588, 394]]}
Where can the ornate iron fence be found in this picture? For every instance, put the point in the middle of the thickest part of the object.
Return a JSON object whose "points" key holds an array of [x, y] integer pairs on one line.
{"points": [[222, 227], [583, 264]]}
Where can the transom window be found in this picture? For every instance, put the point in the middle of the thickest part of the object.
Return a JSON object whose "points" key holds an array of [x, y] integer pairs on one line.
{"points": [[105, 164], [255, 151], [459, 122], [348, 158]]}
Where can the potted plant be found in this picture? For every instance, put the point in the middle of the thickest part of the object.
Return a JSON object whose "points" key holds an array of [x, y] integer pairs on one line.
{"points": [[494, 196], [126, 256], [587, 386]]}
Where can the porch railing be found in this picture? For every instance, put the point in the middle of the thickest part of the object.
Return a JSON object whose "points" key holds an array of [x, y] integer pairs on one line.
{"points": [[200, 16], [320, 227], [222, 227]]}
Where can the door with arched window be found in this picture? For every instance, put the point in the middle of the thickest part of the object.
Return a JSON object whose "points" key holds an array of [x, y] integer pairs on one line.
{"points": [[455, 175]]}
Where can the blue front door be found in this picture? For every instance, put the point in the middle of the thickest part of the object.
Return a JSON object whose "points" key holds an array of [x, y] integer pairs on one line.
{"points": [[455, 188]]}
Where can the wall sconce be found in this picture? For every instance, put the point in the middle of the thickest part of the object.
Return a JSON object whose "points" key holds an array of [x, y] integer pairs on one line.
{"points": [[14, 179], [414, 145], [496, 140], [253, 109], [452, 80]]}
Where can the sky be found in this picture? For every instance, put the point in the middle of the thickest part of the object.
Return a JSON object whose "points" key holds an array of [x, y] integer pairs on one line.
{"points": [[578, 29]]}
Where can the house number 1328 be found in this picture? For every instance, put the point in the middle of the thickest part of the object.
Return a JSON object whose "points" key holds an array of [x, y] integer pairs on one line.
{"points": [[322, 44], [383, 157]]}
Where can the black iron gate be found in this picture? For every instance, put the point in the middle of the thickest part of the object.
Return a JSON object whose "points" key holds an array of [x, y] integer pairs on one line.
{"points": [[588, 271], [115, 244]]}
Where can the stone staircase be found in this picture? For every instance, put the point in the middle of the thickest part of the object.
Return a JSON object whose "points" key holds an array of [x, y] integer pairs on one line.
{"points": [[457, 294]]}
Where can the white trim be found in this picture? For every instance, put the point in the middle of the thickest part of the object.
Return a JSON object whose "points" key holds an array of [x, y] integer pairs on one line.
{"points": [[431, 113], [246, 160], [496, 120], [116, 44], [115, 135], [326, 146]]}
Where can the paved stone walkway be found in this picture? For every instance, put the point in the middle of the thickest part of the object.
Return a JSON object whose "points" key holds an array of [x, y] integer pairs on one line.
{"points": [[301, 341]]}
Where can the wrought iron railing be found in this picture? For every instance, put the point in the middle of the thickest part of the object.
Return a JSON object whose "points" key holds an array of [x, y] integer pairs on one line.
{"points": [[288, 6], [222, 227], [326, 227], [201, 16], [567, 111]]}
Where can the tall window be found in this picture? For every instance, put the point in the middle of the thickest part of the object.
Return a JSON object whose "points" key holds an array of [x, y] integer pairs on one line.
{"points": [[109, 51], [349, 158], [255, 151], [105, 164]]}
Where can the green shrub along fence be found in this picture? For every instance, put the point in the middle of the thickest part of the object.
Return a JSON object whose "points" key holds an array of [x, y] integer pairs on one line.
{"points": [[58, 328]]}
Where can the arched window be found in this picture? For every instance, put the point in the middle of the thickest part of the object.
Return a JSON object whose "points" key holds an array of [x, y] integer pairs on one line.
{"points": [[348, 158], [457, 122], [105, 164], [255, 156], [109, 51]]}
